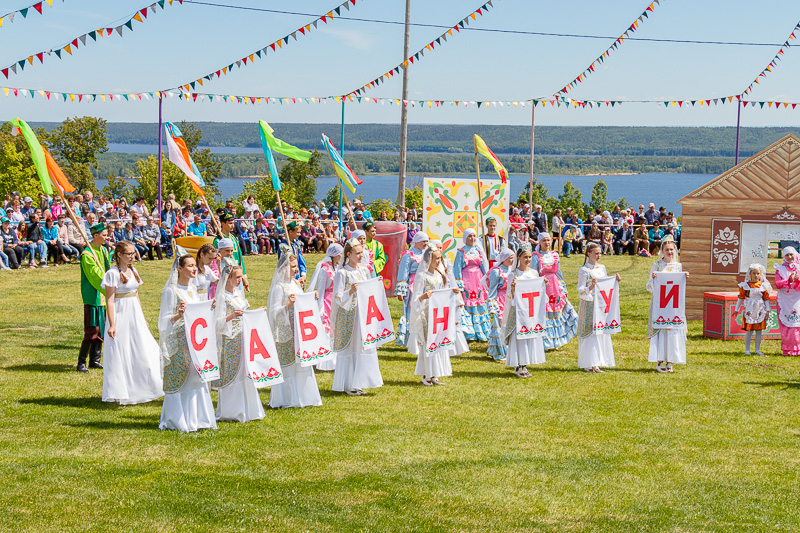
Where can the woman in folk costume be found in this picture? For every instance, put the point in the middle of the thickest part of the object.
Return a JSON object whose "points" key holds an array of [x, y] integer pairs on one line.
{"points": [[497, 283], [356, 367], [430, 276], [787, 281], [299, 387], [521, 352], [322, 282], [366, 259], [132, 359], [667, 346], [594, 351], [206, 277], [187, 402], [406, 271], [469, 267], [754, 300], [224, 251], [238, 400], [562, 320]]}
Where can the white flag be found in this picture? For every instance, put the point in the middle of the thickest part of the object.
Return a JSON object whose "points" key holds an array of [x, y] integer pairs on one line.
{"points": [[202, 339], [530, 301], [373, 313], [669, 305], [606, 306], [311, 342], [442, 307], [258, 349]]}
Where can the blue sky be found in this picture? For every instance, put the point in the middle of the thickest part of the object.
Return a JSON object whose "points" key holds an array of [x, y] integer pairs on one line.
{"points": [[182, 43]]}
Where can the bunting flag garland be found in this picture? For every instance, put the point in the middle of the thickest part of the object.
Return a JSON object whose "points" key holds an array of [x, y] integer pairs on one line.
{"points": [[774, 62], [269, 143], [272, 47], [179, 156], [619, 40], [421, 52], [38, 6], [77, 42], [485, 151], [19, 126], [343, 171]]}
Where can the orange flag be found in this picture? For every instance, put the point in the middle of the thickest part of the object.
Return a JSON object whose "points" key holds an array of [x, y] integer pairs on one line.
{"points": [[56, 174]]}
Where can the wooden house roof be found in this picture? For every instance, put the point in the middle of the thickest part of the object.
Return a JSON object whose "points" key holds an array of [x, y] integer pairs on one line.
{"points": [[771, 174]]}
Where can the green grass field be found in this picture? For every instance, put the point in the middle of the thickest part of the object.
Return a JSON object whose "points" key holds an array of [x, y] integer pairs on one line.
{"points": [[712, 447]]}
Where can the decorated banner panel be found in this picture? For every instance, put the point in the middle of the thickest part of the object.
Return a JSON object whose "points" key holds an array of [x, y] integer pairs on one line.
{"points": [[606, 306], [669, 300], [202, 339], [311, 341], [373, 314], [530, 301], [441, 322], [726, 240], [451, 205], [260, 353]]}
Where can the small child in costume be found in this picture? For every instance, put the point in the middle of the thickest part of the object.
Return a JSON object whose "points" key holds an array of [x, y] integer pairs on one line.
{"points": [[754, 298]]}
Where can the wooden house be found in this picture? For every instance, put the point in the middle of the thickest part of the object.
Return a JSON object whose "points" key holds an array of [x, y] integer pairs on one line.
{"points": [[729, 222]]}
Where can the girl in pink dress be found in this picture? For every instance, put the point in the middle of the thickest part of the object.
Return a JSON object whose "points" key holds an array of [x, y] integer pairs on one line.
{"points": [[322, 282], [787, 281], [469, 268], [562, 320]]}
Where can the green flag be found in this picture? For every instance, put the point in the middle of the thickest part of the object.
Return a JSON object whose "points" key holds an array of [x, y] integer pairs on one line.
{"points": [[37, 153], [269, 143]]}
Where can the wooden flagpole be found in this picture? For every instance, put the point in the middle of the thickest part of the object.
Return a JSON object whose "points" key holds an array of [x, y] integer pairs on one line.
{"points": [[480, 190], [214, 222], [74, 220], [283, 220]]}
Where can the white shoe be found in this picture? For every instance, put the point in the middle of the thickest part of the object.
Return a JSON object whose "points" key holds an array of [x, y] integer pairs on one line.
{"points": [[660, 368], [436, 381], [598, 371], [353, 392], [427, 382]]}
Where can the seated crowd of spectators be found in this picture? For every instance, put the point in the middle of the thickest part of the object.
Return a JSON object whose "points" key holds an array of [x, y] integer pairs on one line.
{"points": [[41, 231], [632, 231]]}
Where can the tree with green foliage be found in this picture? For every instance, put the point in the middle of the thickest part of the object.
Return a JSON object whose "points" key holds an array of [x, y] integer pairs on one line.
{"points": [[414, 196], [173, 181], [599, 196], [117, 188], [332, 196], [17, 172], [571, 197], [541, 196], [75, 144]]}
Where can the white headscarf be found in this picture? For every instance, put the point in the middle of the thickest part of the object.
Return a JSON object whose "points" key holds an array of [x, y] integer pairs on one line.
{"points": [[317, 280], [276, 306], [355, 234], [503, 254], [664, 241], [764, 281], [223, 327], [478, 246], [789, 250], [543, 235], [165, 326], [420, 236]]}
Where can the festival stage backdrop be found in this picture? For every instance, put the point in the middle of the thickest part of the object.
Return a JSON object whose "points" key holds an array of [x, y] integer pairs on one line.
{"points": [[451, 206]]}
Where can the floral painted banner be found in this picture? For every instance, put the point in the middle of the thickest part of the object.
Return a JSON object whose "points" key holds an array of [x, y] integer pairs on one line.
{"points": [[774, 63], [619, 40], [72, 46], [272, 47], [726, 242], [38, 6], [421, 53]]}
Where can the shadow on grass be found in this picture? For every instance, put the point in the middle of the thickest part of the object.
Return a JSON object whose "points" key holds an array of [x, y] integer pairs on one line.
{"points": [[784, 384], [53, 368], [499, 373], [56, 346], [91, 403], [150, 424]]}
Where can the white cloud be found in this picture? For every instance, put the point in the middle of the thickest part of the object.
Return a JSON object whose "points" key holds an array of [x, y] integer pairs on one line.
{"points": [[353, 39]]}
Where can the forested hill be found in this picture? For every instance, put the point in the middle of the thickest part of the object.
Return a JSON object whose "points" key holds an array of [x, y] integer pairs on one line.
{"points": [[550, 140]]}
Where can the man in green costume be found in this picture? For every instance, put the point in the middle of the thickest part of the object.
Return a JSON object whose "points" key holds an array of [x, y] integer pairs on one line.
{"points": [[375, 249], [227, 222], [94, 263]]}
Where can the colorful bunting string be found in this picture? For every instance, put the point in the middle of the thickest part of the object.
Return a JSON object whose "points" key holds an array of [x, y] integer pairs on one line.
{"points": [[774, 62], [38, 6], [272, 47], [421, 52], [72, 46], [599, 61]]}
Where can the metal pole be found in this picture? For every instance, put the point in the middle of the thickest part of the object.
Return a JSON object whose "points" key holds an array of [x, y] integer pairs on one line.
{"points": [[341, 185], [160, 127], [530, 185], [401, 182], [738, 124]]}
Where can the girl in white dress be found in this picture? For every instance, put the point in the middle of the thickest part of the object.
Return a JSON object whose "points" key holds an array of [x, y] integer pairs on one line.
{"points": [[205, 275], [187, 401], [132, 363], [299, 387], [667, 346], [238, 396], [594, 351], [322, 282], [356, 367], [520, 352], [431, 275]]}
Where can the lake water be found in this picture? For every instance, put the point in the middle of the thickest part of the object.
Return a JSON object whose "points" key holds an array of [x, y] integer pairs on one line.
{"points": [[661, 189]]}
